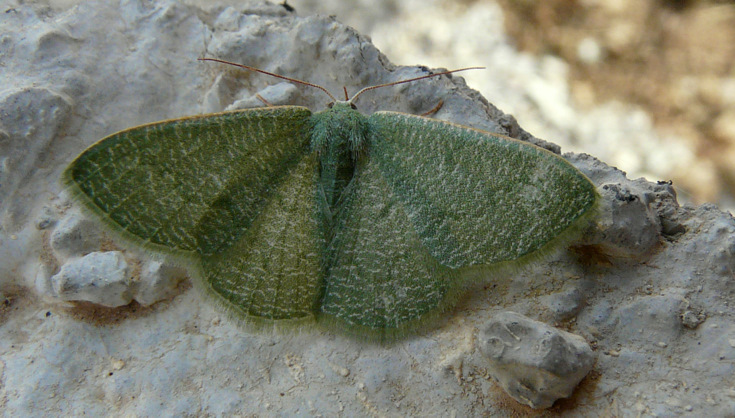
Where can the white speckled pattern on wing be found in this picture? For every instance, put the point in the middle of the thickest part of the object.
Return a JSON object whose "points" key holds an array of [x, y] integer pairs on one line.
{"points": [[274, 270], [472, 196], [192, 184], [381, 276]]}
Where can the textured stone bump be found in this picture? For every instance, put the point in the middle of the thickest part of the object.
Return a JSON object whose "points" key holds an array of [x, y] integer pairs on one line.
{"points": [[31, 118], [157, 281], [74, 236], [98, 277], [534, 363], [46, 218], [565, 304], [628, 226]]}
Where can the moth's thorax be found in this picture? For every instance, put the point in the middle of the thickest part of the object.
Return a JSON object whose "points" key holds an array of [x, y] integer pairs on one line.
{"points": [[339, 137], [340, 125]]}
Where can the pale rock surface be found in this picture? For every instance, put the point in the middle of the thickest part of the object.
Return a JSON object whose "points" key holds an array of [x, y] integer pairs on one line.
{"points": [[74, 75], [535, 363], [47, 218], [563, 305], [33, 116]]}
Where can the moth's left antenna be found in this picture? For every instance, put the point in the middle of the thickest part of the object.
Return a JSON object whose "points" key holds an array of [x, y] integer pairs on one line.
{"points": [[258, 70]]}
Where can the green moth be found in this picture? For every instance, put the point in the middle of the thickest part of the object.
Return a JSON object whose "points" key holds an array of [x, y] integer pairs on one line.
{"points": [[372, 224]]}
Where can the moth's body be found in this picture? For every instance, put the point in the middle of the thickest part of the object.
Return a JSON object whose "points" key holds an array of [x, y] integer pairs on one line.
{"points": [[372, 223], [338, 136]]}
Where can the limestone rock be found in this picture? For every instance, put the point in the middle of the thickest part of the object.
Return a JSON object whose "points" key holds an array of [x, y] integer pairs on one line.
{"points": [[74, 236], [98, 277], [627, 226], [534, 363], [157, 281]]}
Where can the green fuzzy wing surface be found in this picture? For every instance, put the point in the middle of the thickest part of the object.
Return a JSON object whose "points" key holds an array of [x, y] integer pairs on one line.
{"points": [[274, 271], [473, 197], [192, 185], [381, 279]]}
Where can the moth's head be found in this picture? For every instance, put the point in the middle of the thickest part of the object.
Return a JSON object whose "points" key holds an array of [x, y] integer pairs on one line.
{"points": [[342, 104]]}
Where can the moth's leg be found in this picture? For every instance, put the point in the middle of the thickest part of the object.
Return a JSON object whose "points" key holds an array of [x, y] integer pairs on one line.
{"points": [[435, 109], [262, 99]]}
